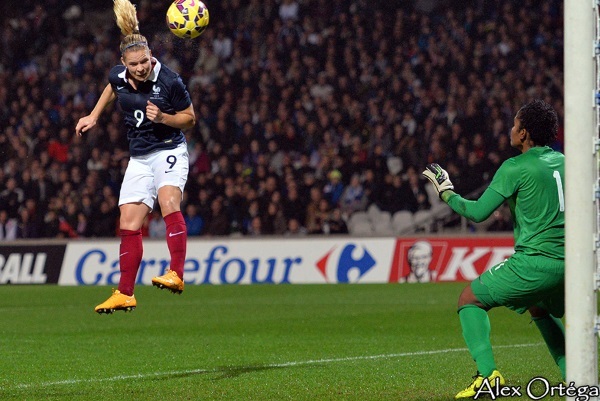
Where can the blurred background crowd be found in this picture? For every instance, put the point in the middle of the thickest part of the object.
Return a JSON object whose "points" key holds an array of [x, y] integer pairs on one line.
{"points": [[308, 110]]}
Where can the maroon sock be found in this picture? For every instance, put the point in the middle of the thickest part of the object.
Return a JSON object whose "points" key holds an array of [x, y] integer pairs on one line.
{"points": [[176, 241], [130, 256]]}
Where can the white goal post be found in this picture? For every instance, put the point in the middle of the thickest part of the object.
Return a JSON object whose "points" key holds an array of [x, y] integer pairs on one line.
{"points": [[581, 171]]}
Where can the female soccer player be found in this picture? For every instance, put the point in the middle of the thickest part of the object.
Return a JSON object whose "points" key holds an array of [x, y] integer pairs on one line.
{"points": [[156, 107], [533, 277]]}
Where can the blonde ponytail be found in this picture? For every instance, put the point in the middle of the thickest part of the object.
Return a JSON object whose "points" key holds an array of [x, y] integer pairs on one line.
{"points": [[127, 21]]}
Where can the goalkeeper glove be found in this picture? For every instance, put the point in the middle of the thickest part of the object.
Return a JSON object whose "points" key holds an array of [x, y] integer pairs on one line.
{"points": [[439, 178]]}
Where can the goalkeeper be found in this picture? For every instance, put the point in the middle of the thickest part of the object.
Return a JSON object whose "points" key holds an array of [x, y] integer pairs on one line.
{"points": [[532, 279]]}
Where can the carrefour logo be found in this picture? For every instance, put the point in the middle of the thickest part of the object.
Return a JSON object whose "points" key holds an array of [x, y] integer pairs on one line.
{"points": [[351, 265], [219, 266]]}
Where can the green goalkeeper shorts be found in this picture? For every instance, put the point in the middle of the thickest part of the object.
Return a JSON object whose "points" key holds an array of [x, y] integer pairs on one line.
{"points": [[523, 281]]}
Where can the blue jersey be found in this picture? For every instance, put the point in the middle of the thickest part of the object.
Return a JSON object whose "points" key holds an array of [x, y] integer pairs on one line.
{"points": [[165, 89]]}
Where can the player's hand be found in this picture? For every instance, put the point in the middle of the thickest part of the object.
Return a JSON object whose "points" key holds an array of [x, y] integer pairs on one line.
{"points": [[153, 113], [84, 124], [438, 177]]}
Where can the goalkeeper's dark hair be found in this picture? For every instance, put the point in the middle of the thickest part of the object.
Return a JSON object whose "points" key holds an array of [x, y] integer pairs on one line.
{"points": [[540, 120], [127, 21]]}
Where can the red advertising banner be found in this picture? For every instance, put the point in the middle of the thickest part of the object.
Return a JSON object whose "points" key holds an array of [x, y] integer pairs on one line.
{"points": [[419, 260]]}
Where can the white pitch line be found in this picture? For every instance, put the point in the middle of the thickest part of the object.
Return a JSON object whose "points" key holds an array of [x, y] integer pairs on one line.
{"points": [[272, 365]]}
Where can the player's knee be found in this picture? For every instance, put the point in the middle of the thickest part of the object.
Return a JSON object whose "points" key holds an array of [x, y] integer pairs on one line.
{"points": [[168, 205], [169, 199], [132, 216], [467, 297], [537, 312]]}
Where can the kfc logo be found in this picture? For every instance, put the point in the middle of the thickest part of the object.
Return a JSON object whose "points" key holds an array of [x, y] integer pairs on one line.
{"points": [[447, 259], [419, 258]]}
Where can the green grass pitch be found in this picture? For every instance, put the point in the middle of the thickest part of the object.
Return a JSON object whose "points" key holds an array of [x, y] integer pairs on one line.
{"points": [[262, 342]]}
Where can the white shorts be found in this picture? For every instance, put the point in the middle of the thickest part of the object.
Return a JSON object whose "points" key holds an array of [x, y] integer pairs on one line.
{"points": [[145, 175]]}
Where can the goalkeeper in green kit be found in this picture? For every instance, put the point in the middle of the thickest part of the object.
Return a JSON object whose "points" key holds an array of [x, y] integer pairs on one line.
{"points": [[532, 279]]}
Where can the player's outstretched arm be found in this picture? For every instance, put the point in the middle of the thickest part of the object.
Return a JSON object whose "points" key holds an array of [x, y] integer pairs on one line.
{"points": [[87, 122], [476, 211], [440, 180]]}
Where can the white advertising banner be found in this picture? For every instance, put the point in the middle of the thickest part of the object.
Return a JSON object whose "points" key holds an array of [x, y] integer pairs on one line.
{"points": [[295, 261]]}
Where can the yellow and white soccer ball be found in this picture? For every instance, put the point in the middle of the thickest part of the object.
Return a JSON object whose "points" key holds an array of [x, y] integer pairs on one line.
{"points": [[187, 18]]}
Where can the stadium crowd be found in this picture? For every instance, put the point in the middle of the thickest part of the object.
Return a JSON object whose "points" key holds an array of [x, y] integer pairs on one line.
{"points": [[309, 110]]}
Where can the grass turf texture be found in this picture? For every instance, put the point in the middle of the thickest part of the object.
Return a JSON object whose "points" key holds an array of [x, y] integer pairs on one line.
{"points": [[301, 342]]}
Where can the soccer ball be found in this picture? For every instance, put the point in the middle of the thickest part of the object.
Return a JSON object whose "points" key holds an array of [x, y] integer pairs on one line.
{"points": [[187, 18]]}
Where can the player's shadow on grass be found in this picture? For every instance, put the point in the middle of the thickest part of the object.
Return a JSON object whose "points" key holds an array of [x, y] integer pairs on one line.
{"points": [[228, 372]]}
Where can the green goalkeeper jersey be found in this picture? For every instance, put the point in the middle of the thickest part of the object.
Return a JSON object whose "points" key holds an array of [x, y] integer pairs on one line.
{"points": [[533, 186]]}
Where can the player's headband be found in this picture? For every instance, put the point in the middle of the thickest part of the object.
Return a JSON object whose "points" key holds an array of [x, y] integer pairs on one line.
{"points": [[135, 44]]}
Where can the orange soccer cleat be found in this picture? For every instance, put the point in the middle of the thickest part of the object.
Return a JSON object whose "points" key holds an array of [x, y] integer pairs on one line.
{"points": [[117, 301], [170, 280]]}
